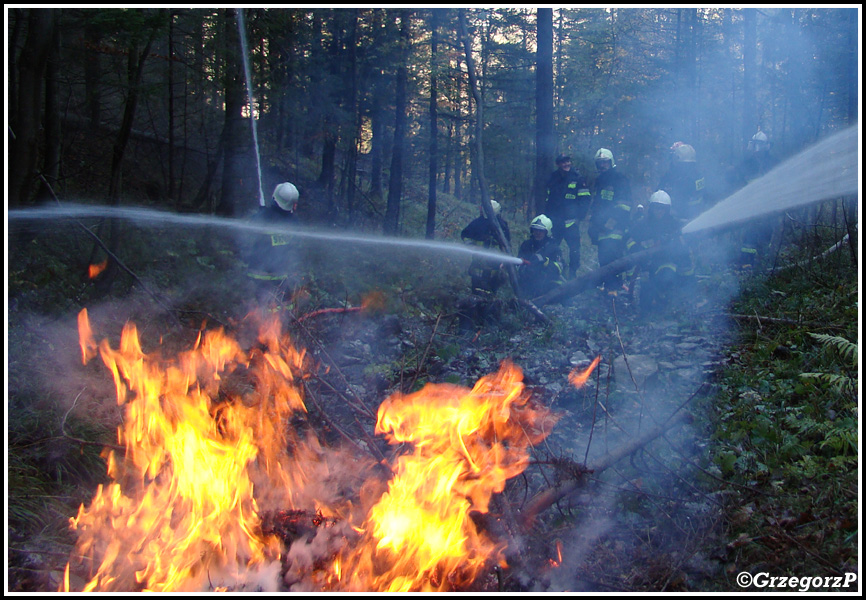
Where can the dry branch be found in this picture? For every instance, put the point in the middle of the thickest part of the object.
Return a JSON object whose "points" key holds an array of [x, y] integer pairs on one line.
{"points": [[545, 499], [593, 278]]}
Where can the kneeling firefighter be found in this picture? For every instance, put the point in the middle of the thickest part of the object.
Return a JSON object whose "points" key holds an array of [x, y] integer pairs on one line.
{"points": [[541, 270], [666, 267], [486, 275]]}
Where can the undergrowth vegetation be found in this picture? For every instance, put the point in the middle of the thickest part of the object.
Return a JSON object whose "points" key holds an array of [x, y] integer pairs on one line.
{"points": [[786, 423]]}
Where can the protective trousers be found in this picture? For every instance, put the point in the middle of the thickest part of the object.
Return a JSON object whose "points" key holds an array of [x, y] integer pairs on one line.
{"points": [[610, 249]]}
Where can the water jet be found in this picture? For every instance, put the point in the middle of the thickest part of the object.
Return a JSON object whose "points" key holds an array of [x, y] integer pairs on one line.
{"points": [[156, 217], [829, 169]]}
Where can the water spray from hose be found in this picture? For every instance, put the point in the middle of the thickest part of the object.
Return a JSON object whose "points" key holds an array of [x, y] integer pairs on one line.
{"points": [[829, 169], [247, 72]]}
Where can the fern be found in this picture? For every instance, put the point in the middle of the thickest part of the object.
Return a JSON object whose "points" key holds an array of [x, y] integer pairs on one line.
{"points": [[847, 349], [841, 384]]}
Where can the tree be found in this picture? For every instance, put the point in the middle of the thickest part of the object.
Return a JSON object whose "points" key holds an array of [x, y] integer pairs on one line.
{"points": [[25, 125], [750, 43], [478, 163], [544, 136], [395, 183], [434, 127], [233, 129]]}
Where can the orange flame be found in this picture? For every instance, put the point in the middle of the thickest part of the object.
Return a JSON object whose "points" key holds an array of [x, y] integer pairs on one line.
{"points": [[180, 507], [93, 271], [579, 378], [467, 443], [180, 512]]}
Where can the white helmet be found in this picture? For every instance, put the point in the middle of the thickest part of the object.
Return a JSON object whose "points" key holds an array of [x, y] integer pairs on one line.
{"points": [[497, 208], [660, 197], [683, 152], [286, 196], [542, 223], [605, 154]]}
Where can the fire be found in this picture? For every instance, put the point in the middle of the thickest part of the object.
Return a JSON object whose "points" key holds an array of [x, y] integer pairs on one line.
{"points": [[93, 271], [579, 378], [420, 536], [183, 508], [180, 507]]}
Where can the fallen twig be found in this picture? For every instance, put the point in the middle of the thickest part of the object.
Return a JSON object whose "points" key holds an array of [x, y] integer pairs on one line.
{"points": [[593, 278], [426, 352], [548, 497], [329, 311]]}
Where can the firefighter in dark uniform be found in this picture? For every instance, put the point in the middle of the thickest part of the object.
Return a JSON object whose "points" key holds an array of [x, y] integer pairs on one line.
{"points": [[684, 182], [486, 276], [568, 201], [756, 234], [541, 270], [659, 227], [610, 215], [269, 258]]}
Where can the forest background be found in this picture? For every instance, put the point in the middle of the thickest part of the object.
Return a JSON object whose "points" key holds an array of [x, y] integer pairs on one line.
{"points": [[149, 105]]}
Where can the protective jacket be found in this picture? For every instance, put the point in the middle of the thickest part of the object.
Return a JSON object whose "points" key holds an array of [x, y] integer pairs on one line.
{"points": [[484, 273], [756, 234], [481, 232], [611, 207], [542, 266], [270, 257], [684, 182], [651, 232], [568, 198]]}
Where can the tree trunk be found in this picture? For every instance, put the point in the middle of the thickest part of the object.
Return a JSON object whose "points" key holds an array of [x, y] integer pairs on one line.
{"points": [[51, 161], [395, 183], [17, 18], [232, 135], [750, 119], [134, 69], [434, 128], [478, 163], [24, 149], [377, 143], [593, 278], [544, 135], [170, 91], [350, 176]]}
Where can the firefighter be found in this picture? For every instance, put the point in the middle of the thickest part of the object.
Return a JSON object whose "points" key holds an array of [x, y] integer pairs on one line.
{"points": [[610, 215], [269, 260], [756, 234], [665, 268], [486, 276], [567, 205], [684, 182], [541, 270]]}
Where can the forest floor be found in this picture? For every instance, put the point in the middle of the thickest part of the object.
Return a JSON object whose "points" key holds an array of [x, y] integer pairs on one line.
{"points": [[731, 462]]}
